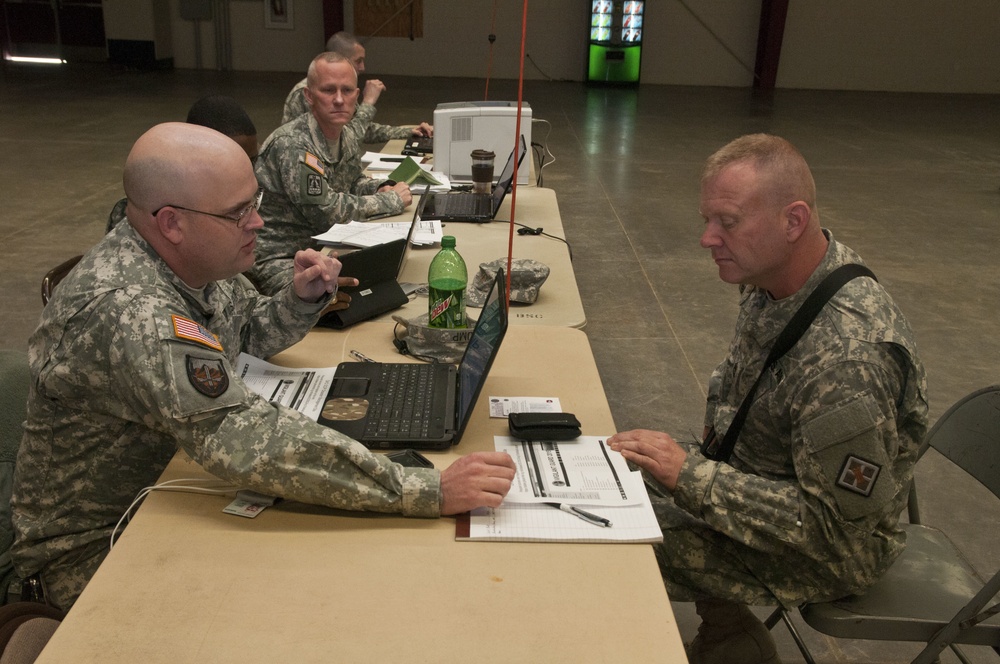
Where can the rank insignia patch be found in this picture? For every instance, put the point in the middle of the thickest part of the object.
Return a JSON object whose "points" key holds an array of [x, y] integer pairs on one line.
{"points": [[314, 185], [858, 475], [207, 376], [313, 162], [185, 328]]}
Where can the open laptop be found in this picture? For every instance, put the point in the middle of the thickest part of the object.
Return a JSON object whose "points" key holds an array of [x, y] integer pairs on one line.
{"points": [[376, 269], [419, 145], [467, 206], [434, 421]]}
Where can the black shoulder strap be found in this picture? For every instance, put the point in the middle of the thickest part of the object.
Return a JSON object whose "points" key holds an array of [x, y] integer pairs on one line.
{"points": [[718, 450]]}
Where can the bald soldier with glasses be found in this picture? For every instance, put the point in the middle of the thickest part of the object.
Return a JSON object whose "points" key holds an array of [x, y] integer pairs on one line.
{"points": [[133, 359]]}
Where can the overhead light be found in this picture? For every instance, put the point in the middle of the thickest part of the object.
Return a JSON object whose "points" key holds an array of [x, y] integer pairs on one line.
{"points": [[40, 61]]}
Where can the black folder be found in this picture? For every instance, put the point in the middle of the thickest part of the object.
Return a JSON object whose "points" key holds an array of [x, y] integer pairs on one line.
{"points": [[377, 291]]}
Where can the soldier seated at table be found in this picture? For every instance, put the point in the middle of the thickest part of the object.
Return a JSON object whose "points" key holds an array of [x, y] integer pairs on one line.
{"points": [[133, 359]]}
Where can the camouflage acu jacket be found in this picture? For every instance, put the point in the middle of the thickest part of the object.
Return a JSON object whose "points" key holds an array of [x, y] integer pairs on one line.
{"points": [[306, 191], [128, 365], [824, 460], [296, 105]]}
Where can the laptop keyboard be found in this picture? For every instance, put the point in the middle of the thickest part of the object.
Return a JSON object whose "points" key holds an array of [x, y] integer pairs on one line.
{"points": [[403, 409], [459, 203]]}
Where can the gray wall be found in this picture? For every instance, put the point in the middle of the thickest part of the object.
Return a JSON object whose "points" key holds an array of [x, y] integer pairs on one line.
{"points": [[894, 45]]}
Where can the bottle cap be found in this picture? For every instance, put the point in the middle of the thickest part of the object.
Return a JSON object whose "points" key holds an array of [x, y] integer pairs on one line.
{"points": [[448, 242]]}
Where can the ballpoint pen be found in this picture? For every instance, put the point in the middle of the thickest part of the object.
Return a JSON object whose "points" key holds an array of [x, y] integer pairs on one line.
{"points": [[361, 357], [581, 514]]}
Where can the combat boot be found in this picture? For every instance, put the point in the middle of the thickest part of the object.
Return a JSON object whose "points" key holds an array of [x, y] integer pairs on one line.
{"points": [[730, 634]]}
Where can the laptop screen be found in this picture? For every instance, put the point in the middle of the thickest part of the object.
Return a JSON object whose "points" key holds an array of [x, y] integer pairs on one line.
{"points": [[507, 175], [482, 348], [413, 227]]}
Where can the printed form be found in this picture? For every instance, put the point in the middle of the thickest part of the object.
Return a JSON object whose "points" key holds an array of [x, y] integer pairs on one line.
{"points": [[554, 482], [304, 390], [584, 471]]}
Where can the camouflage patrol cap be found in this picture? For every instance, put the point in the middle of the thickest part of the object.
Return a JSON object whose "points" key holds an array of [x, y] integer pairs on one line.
{"points": [[526, 278], [431, 343]]}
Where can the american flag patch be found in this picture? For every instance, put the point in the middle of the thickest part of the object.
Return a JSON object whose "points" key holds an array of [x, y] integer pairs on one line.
{"points": [[313, 162], [185, 328]]}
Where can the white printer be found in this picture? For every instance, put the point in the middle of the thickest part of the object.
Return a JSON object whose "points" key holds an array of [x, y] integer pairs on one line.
{"points": [[463, 126]]}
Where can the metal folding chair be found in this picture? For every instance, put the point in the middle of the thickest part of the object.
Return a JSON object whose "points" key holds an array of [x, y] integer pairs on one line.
{"points": [[931, 594]]}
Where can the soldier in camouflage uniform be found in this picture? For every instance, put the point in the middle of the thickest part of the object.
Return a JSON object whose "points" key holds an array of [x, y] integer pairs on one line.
{"points": [[348, 46], [134, 358], [311, 172], [806, 508]]}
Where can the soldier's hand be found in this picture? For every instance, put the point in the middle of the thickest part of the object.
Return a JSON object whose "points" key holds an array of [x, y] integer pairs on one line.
{"points": [[402, 189], [480, 479], [315, 275], [373, 90], [343, 300], [653, 451], [423, 129]]}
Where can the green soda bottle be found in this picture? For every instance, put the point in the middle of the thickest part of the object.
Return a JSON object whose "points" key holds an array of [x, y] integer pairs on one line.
{"points": [[446, 280]]}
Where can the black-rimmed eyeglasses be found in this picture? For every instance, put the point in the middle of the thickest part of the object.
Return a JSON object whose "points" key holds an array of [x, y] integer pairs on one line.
{"points": [[240, 219]]}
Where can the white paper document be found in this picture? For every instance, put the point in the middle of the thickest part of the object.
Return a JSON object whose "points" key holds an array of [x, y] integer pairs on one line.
{"points": [[304, 390], [368, 234], [379, 164], [583, 471], [552, 480], [382, 161], [504, 406], [541, 523]]}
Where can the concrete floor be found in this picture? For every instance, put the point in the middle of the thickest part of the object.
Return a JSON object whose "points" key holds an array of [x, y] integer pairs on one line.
{"points": [[909, 181]]}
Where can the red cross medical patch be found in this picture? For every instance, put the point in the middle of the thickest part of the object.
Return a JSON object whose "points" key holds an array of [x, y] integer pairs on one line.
{"points": [[207, 376], [858, 475]]}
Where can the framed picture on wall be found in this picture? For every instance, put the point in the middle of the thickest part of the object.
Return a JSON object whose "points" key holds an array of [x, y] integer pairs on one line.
{"points": [[278, 14]]}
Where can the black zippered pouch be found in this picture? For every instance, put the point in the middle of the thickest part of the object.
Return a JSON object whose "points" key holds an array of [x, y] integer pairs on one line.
{"points": [[544, 426]]}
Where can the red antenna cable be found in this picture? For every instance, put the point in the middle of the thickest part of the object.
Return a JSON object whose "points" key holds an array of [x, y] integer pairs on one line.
{"points": [[517, 144]]}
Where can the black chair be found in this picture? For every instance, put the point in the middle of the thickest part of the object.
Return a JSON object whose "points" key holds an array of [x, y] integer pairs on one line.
{"points": [[931, 594], [55, 275]]}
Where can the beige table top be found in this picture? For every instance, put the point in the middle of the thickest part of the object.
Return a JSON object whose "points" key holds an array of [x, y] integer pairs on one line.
{"points": [[558, 301], [187, 583]]}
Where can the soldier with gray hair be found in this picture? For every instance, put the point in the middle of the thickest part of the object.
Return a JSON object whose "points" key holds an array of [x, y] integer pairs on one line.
{"points": [[311, 170], [133, 359], [348, 46], [805, 506]]}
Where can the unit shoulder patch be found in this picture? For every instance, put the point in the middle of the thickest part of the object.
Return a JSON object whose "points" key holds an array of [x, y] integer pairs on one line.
{"points": [[207, 375], [858, 475], [314, 185]]}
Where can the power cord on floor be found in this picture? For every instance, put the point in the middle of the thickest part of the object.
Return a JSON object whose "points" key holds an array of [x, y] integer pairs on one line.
{"points": [[527, 56]]}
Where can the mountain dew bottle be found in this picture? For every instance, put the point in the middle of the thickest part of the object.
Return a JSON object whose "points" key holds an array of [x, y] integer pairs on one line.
{"points": [[446, 280]]}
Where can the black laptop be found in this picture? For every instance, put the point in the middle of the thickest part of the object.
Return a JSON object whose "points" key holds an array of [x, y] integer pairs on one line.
{"points": [[420, 406], [419, 145], [376, 269], [467, 206]]}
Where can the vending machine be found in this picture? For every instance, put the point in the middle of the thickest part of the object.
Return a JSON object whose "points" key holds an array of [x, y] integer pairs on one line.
{"points": [[615, 44]]}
